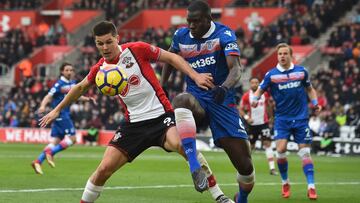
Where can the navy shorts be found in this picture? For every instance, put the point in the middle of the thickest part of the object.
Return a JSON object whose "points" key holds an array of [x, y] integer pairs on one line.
{"points": [[283, 129], [61, 127]]}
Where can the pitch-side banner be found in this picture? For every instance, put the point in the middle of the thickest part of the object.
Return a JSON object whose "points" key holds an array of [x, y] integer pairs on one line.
{"points": [[40, 135], [13, 19]]}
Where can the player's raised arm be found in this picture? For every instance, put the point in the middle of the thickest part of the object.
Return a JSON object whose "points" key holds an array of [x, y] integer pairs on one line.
{"points": [[46, 100], [74, 93], [203, 80], [166, 71]]}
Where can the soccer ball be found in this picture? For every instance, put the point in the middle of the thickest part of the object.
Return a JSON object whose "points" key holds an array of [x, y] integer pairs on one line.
{"points": [[111, 80]]}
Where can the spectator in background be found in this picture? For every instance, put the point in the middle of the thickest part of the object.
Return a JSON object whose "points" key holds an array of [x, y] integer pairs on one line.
{"points": [[91, 136]]}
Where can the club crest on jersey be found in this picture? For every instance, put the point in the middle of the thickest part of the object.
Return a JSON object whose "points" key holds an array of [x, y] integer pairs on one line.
{"points": [[210, 45], [117, 136], [127, 62], [134, 81], [228, 32]]}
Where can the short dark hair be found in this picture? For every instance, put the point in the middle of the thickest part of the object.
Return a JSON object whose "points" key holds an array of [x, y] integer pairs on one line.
{"points": [[103, 28], [201, 6], [63, 65], [254, 77]]}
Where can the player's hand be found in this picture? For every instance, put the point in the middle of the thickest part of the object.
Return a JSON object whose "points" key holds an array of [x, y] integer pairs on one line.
{"points": [[317, 108], [250, 121], [41, 110], [48, 118], [219, 93], [204, 81]]}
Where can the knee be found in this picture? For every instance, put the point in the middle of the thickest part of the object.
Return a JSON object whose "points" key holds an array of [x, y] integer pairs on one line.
{"points": [[246, 179], [246, 168], [304, 153], [182, 101]]}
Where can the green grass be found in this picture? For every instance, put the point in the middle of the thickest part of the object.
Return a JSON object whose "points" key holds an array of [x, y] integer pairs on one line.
{"points": [[338, 179]]}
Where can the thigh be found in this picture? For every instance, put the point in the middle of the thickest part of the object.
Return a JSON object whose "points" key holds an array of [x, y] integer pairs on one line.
{"points": [[238, 150], [265, 132], [282, 129], [188, 101], [62, 127], [134, 138], [302, 132], [253, 132], [225, 121]]}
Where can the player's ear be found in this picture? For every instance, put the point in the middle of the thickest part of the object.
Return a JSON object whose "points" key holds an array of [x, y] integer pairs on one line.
{"points": [[118, 38]]}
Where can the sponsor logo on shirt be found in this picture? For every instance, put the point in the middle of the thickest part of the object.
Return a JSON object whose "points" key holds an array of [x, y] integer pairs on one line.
{"points": [[289, 85], [203, 62], [231, 46]]}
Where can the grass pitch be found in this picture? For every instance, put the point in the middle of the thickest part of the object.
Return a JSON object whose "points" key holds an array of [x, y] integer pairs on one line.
{"points": [[157, 176]]}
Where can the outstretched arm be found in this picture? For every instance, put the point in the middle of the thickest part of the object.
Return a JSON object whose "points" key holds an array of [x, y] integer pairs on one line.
{"points": [[74, 93], [166, 71], [46, 100]]}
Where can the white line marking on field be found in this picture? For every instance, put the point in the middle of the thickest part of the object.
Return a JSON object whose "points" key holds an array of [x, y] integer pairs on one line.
{"points": [[162, 186]]}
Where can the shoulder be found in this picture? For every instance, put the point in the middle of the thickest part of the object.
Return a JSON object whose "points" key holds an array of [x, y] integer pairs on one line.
{"points": [[271, 72], [245, 96], [224, 31], [300, 68], [181, 31]]}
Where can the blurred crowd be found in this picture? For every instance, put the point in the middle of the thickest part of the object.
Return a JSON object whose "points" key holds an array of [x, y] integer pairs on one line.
{"points": [[20, 4]]}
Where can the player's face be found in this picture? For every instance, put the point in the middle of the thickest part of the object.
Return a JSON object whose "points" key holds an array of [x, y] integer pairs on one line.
{"points": [[284, 57], [68, 72], [198, 24], [107, 46], [254, 84]]}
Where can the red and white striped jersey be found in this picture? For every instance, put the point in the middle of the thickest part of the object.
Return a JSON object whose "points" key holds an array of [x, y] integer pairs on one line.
{"points": [[142, 98], [259, 113]]}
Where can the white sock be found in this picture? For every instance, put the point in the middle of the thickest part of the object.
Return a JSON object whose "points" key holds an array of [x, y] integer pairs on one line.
{"points": [[285, 181], [311, 186], [91, 192], [270, 157], [215, 191]]}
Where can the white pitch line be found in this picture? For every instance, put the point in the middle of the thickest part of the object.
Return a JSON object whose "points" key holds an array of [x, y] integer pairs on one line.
{"points": [[163, 186]]}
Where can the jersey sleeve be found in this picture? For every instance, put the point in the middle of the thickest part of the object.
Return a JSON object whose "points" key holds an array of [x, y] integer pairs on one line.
{"points": [[175, 42], [306, 81], [55, 89], [245, 101], [93, 71], [265, 83], [229, 44], [148, 51]]}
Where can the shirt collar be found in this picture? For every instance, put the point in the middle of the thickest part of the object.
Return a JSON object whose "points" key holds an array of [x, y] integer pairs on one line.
{"points": [[281, 69], [64, 79], [209, 32]]}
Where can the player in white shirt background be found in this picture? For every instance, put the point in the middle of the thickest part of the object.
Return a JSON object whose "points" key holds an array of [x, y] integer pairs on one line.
{"points": [[258, 121]]}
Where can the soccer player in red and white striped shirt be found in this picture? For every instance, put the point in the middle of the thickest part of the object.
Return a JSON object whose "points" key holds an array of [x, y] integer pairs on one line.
{"points": [[257, 119]]}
